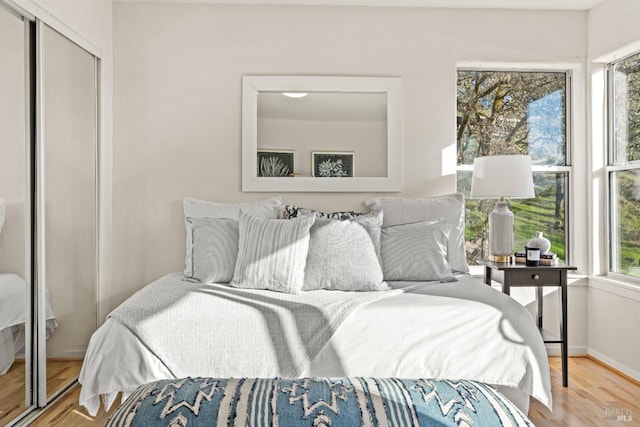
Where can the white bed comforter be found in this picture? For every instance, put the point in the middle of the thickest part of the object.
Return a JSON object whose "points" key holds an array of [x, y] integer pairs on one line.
{"points": [[456, 330], [13, 303], [198, 328]]}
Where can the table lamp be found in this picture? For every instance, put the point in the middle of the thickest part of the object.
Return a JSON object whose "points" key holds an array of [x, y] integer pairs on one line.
{"points": [[502, 177]]}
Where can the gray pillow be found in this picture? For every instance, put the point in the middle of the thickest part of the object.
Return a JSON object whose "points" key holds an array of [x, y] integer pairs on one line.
{"points": [[194, 208], [450, 206], [416, 251], [272, 253], [344, 255], [214, 249]]}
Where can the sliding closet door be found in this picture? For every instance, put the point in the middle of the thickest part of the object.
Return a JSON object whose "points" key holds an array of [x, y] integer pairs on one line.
{"points": [[48, 206], [68, 158], [15, 245]]}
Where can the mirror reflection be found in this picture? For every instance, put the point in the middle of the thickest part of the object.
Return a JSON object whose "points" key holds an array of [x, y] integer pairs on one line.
{"points": [[70, 204], [321, 134], [13, 184]]}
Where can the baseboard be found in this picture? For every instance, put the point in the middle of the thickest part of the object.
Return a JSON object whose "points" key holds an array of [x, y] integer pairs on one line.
{"points": [[607, 362], [66, 355], [574, 351], [65, 359]]}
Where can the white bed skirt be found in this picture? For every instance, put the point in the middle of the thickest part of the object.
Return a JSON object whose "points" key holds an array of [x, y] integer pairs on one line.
{"points": [[7, 350], [12, 343]]}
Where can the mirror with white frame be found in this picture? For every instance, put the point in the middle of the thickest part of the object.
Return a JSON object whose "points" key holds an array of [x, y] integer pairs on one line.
{"points": [[319, 133]]}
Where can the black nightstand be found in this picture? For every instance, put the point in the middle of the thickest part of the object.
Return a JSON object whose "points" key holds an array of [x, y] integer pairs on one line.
{"points": [[521, 275]]}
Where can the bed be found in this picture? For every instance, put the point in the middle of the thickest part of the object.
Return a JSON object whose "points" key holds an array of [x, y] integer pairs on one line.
{"points": [[333, 323], [459, 330], [13, 296]]}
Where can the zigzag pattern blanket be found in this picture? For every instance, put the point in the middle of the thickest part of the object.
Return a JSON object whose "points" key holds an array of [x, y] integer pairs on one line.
{"points": [[316, 402]]}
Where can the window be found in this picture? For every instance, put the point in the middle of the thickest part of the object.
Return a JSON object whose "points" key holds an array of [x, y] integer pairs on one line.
{"points": [[624, 166], [515, 112]]}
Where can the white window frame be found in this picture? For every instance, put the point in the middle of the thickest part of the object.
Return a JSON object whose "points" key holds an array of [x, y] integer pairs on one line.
{"points": [[611, 198], [574, 119]]}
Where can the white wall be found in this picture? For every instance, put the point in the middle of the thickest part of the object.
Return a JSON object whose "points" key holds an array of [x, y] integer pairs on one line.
{"points": [[613, 25], [613, 307], [178, 70], [614, 313]]}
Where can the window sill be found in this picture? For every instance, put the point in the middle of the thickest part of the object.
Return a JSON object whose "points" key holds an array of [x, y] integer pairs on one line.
{"points": [[617, 286], [476, 271]]}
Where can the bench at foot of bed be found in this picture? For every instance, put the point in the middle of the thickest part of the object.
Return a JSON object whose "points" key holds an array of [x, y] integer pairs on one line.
{"points": [[317, 402]]}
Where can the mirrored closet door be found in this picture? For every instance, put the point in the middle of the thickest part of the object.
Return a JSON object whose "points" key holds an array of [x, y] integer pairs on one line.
{"points": [[69, 190], [48, 211], [14, 220]]}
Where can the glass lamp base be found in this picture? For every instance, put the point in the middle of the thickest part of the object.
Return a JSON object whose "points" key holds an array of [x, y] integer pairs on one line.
{"points": [[501, 222]]}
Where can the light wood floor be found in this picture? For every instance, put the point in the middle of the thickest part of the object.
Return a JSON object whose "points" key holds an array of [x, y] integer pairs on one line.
{"points": [[12, 393], [595, 397]]}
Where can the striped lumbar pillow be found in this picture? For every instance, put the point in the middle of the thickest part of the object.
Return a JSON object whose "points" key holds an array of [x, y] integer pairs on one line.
{"points": [[272, 253]]}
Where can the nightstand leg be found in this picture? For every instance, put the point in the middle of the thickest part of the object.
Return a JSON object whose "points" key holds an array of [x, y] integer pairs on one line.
{"points": [[487, 275], [539, 300], [564, 338], [506, 284]]}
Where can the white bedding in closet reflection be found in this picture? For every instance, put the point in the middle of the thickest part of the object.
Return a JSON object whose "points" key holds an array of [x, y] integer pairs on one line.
{"points": [[13, 294]]}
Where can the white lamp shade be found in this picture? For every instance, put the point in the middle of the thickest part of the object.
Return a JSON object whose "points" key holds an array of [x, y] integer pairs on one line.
{"points": [[502, 176]]}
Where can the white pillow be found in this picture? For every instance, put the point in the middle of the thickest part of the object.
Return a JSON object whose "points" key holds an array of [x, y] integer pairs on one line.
{"points": [[416, 251], [405, 211], [194, 208], [344, 255], [272, 253], [214, 250]]}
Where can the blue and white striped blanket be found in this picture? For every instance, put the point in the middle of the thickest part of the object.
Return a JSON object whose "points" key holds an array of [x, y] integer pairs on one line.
{"points": [[315, 402]]}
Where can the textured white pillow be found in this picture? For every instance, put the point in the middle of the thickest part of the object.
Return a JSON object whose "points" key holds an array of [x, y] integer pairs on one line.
{"points": [[405, 211], [194, 208], [272, 253], [214, 250], [416, 251], [344, 255]]}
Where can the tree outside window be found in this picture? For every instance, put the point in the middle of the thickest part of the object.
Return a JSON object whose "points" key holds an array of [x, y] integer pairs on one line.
{"points": [[515, 112]]}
